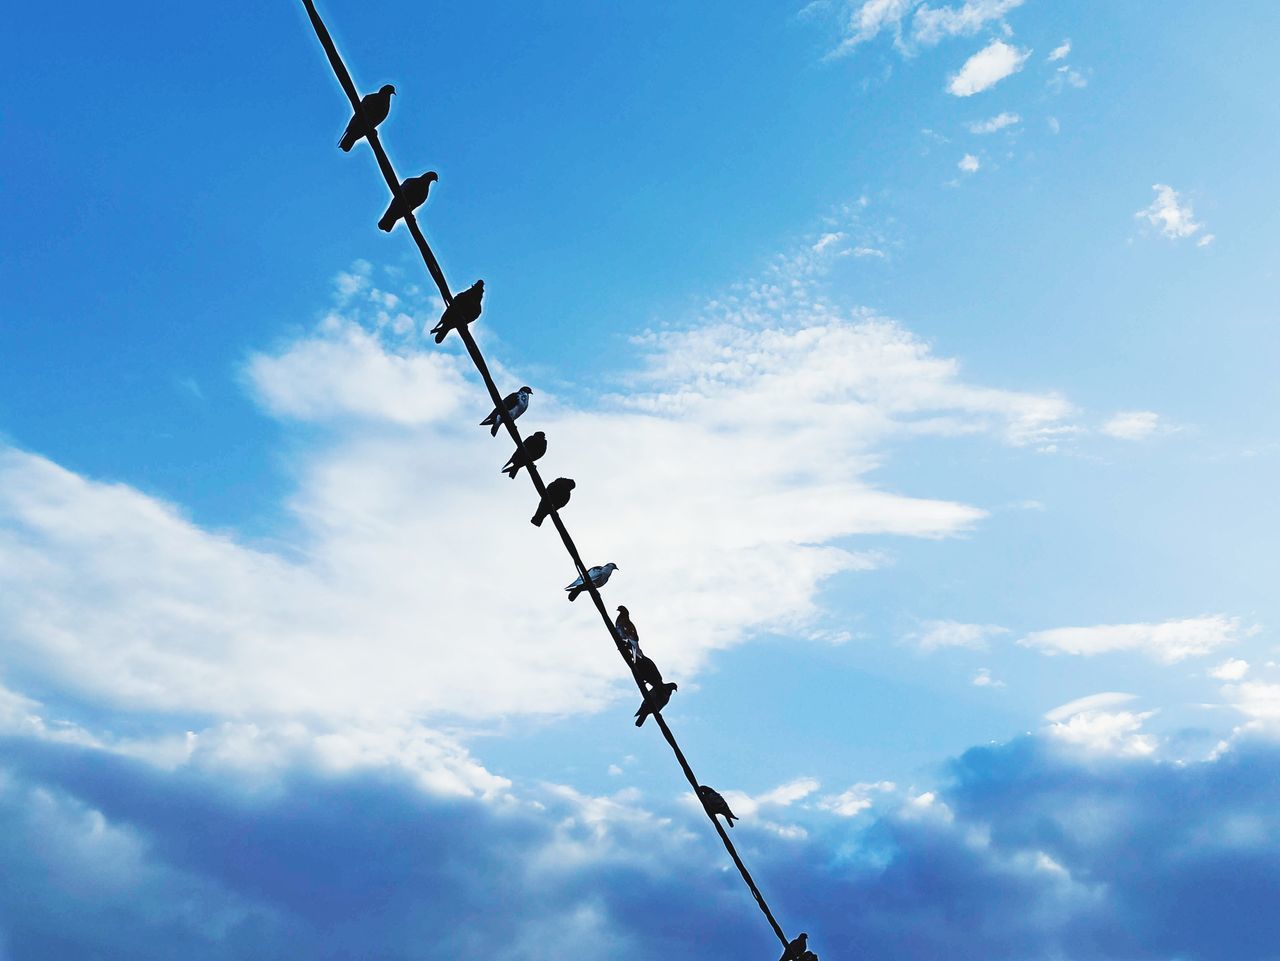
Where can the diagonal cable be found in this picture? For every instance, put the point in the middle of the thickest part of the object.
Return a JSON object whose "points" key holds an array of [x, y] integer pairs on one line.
{"points": [[433, 267]]}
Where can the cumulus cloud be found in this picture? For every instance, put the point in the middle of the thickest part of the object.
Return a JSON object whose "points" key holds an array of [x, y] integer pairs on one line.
{"points": [[1090, 724], [1169, 642], [1232, 669], [983, 678], [969, 163], [1132, 425], [986, 68], [1172, 216], [998, 122]]}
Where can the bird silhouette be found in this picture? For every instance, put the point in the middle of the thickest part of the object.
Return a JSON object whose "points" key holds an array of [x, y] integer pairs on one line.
{"points": [[464, 309], [796, 948], [556, 497], [716, 804], [414, 191], [376, 107], [535, 445], [655, 702], [599, 577], [627, 631], [648, 672], [513, 406]]}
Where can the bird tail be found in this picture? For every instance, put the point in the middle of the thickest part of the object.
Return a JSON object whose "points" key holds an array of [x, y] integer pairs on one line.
{"points": [[388, 221], [536, 520], [441, 331], [511, 470], [729, 819], [573, 594], [348, 141], [641, 719], [493, 431]]}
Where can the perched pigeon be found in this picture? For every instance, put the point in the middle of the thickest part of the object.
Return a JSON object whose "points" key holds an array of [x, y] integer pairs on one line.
{"points": [[515, 404], [556, 497], [658, 698], [414, 191], [796, 949], [376, 107], [627, 631], [535, 445], [648, 672], [464, 309], [808, 956], [599, 577], [717, 805]]}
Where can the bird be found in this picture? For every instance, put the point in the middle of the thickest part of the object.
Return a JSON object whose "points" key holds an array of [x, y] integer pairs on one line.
{"points": [[627, 631], [535, 445], [648, 672], [599, 577], [513, 406], [464, 309], [376, 107], [796, 948], [414, 191], [655, 702], [556, 497], [808, 956], [716, 804]]}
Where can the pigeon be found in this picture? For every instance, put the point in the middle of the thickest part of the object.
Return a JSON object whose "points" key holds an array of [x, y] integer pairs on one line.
{"points": [[655, 702], [376, 107], [535, 445], [599, 577], [796, 949], [627, 631], [514, 404], [464, 309], [414, 191], [556, 497], [717, 805], [808, 956], [648, 672]]}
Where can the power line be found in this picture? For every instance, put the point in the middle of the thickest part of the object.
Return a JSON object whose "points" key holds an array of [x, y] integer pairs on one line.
{"points": [[433, 267]]}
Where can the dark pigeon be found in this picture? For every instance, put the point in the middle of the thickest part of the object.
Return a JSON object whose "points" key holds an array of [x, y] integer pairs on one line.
{"points": [[514, 404], [414, 191], [535, 445], [655, 702], [648, 672], [717, 805], [627, 631], [556, 497], [599, 577], [464, 309], [796, 949], [376, 107]]}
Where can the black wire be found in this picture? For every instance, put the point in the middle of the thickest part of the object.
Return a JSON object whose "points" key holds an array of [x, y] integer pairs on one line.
{"points": [[433, 267]]}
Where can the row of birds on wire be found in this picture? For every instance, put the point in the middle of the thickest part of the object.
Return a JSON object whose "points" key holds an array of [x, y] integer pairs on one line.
{"points": [[465, 310]]}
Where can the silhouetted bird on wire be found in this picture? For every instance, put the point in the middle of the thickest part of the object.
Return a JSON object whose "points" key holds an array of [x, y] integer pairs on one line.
{"points": [[464, 309], [376, 107], [414, 191], [658, 698], [513, 406], [535, 445], [627, 631], [795, 950], [556, 497], [716, 804], [648, 672], [599, 577]]}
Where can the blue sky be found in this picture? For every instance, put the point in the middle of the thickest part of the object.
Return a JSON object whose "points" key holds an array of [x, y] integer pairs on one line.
{"points": [[915, 362]]}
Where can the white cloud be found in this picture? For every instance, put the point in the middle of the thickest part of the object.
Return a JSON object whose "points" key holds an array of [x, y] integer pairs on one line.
{"points": [[936, 634], [1132, 425], [930, 25], [986, 68], [1060, 52], [1067, 76], [998, 122], [825, 241], [1206, 240], [1232, 669], [983, 678], [1171, 215], [1054, 126], [857, 799], [1169, 642], [1086, 724], [969, 163]]}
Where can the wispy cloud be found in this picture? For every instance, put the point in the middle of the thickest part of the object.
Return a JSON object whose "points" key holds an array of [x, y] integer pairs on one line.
{"points": [[1132, 425], [1172, 216], [938, 634], [1170, 641], [916, 24], [1060, 52], [998, 122], [986, 68]]}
